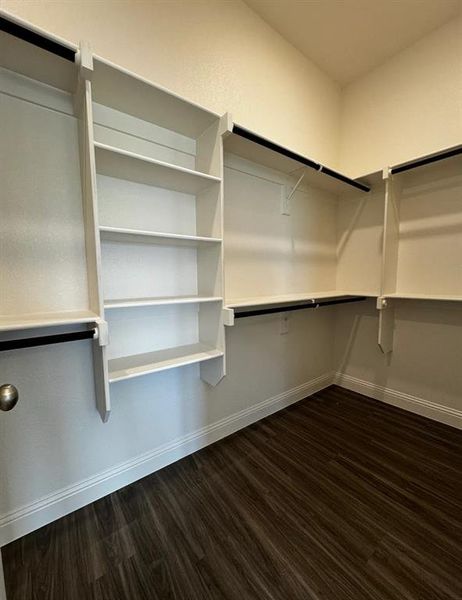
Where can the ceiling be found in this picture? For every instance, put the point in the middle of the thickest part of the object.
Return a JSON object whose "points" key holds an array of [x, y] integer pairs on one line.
{"points": [[347, 38]]}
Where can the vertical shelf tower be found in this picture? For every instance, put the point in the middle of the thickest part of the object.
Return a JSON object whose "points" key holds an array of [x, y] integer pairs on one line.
{"points": [[154, 184]]}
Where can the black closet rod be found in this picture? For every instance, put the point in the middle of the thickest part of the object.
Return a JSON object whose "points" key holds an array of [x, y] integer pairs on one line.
{"points": [[254, 312], [37, 39], [45, 340], [426, 161], [253, 137]]}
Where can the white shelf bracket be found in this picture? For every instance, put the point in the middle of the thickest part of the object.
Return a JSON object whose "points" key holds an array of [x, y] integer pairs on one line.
{"points": [[226, 125], [102, 333], [228, 317], [386, 324], [84, 60], [287, 194]]}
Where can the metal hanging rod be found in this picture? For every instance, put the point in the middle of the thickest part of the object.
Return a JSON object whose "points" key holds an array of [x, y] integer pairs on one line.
{"points": [[426, 161], [250, 311], [307, 162], [46, 340], [37, 39]]}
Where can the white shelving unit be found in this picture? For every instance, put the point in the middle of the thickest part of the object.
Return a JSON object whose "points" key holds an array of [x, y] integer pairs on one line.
{"points": [[158, 172]]}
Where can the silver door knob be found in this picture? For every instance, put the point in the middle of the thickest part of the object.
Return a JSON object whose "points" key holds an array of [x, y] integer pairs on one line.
{"points": [[9, 396]]}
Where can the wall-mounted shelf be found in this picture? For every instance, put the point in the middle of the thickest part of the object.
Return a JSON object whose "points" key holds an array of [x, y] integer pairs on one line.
{"points": [[161, 360], [115, 162], [130, 93], [162, 301], [34, 321], [288, 298], [435, 297], [116, 234], [258, 149], [280, 304]]}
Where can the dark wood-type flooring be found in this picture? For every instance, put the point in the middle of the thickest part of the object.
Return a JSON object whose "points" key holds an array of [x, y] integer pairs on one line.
{"points": [[337, 497]]}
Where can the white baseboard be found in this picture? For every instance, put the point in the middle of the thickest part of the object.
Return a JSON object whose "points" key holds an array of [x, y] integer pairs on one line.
{"points": [[425, 408], [47, 509]]}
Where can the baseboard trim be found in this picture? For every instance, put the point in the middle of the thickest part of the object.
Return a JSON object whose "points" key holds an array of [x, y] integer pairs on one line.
{"points": [[30, 517], [420, 406]]}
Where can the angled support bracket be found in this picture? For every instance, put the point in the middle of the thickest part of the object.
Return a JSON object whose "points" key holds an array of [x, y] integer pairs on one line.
{"points": [[287, 194], [386, 324]]}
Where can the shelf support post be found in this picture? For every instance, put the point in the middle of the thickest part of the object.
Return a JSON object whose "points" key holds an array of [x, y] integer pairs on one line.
{"points": [[386, 324]]}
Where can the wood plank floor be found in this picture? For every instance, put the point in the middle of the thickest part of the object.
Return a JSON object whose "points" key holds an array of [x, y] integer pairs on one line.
{"points": [[338, 497]]}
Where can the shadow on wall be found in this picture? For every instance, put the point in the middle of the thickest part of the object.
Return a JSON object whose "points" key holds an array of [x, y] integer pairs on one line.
{"points": [[427, 351]]}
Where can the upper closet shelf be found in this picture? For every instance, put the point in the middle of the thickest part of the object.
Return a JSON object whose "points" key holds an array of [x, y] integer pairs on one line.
{"points": [[122, 164], [51, 319], [287, 298], [436, 297], [129, 93], [429, 160], [255, 148], [136, 236], [26, 49], [275, 304]]}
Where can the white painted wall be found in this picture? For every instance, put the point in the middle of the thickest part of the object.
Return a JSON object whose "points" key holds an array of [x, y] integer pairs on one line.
{"points": [[408, 107], [219, 54]]}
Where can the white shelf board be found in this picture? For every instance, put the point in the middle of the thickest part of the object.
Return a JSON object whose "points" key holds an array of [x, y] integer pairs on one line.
{"points": [[130, 93], [117, 234], [263, 300], [252, 151], [161, 360], [115, 162], [35, 320], [410, 296], [161, 301]]}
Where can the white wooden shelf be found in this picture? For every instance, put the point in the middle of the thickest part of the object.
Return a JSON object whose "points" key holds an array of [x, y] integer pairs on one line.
{"points": [[117, 234], [410, 296], [130, 93], [264, 300], [161, 301], [161, 360], [273, 156], [35, 320], [115, 162]]}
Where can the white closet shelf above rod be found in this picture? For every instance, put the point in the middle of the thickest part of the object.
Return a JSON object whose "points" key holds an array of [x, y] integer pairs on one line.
{"points": [[252, 310], [258, 149], [427, 160]]}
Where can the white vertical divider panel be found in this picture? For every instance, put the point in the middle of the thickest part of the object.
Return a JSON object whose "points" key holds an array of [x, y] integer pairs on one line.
{"points": [[210, 262], [92, 239], [389, 262]]}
